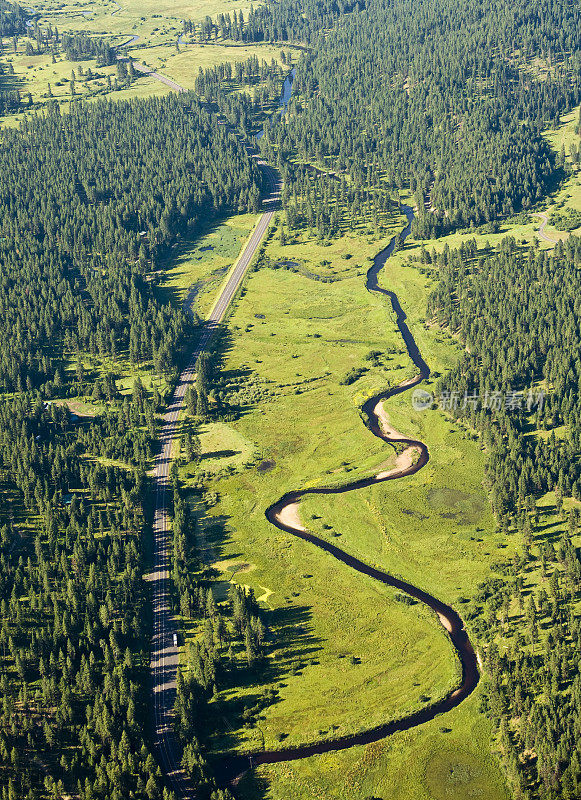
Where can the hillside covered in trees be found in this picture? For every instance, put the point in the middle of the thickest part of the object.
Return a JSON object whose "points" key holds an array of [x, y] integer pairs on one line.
{"points": [[447, 99], [90, 203], [517, 311]]}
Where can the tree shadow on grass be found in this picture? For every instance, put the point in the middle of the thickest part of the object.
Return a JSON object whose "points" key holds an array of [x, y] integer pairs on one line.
{"points": [[294, 642], [252, 786], [188, 248], [228, 382], [214, 533], [247, 692], [220, 454], [12, 83], [556, 180]]}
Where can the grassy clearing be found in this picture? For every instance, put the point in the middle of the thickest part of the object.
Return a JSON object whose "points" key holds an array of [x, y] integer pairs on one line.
{"points": [[183, 65], [550, 529], [287, 347], [38, 76], [223, 448], [524, 232], [95, 368], [150, 21], [440, 538], [566, 134], [395, 657], [446, 759], [329, 683], [44, 79], [313, 437], [294, 345], [198, 267], [436, 528], [569, 195], [345, 257]]}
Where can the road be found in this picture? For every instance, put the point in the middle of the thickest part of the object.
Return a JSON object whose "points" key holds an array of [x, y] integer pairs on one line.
{"points": [[164, 653], [544, 220], [157, 75], [144, 69]]}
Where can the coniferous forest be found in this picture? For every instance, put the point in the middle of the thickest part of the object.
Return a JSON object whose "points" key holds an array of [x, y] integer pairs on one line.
{"points": [[447, 99], [91, 203], [499, 304]]}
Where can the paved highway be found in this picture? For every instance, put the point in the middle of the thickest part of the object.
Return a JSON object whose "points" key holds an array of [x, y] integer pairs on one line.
{"points": [[164, 652]]}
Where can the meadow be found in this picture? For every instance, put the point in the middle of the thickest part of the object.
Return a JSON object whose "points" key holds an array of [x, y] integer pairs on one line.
{"points": [[346, 653], [152, 22], [155, 36], [388, 656], [447, 758], [45, 79], [183, 65], [443, 540]]}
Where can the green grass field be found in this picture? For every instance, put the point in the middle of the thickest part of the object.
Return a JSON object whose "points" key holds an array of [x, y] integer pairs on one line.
{"points": [[224, 448], [348, 655], [38, 76], [44, 79], [347, 256], [435, 529], [566, 134], [152, 22], [569, 195], [441, 539], [156, 31], [446, 759], [204, 262], [183, 66], [306, 433]]}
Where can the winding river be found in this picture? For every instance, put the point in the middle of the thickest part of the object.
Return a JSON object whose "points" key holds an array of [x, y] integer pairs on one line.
{"points": [[284, 514]]}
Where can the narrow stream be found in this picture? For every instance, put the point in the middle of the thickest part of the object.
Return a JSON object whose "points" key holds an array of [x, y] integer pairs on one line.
{"points": [[287, 90]]}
